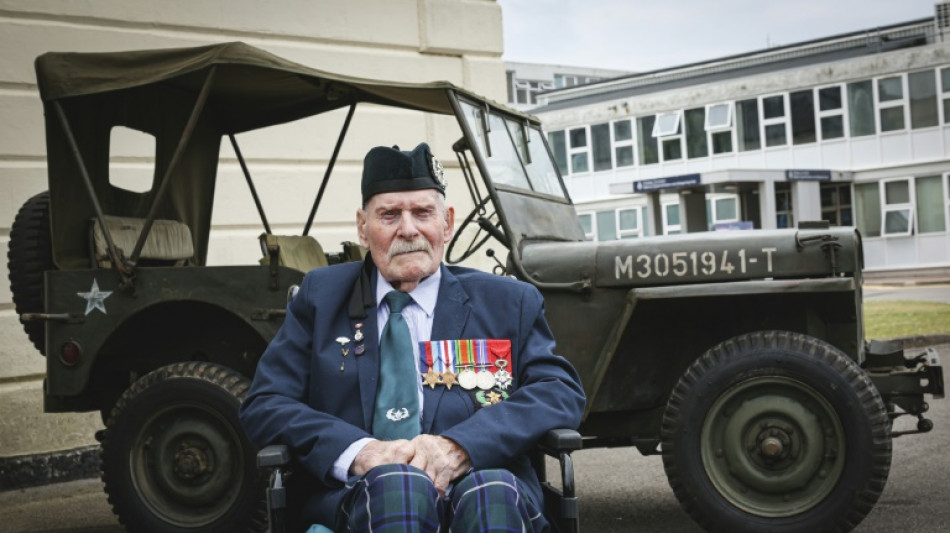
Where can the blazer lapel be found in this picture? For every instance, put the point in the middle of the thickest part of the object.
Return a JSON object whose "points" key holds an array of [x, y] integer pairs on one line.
{"points": [[450, 316]]}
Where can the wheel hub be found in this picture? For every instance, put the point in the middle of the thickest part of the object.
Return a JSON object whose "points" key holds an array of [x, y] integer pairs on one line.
{"points": [[773, 444], [191, 463]]}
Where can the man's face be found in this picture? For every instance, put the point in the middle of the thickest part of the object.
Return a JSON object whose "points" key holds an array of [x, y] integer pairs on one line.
{"points": [[406, 232]]}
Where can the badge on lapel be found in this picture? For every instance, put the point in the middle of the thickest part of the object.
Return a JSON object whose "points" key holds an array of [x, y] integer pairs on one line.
{"points": [[480, 366]]}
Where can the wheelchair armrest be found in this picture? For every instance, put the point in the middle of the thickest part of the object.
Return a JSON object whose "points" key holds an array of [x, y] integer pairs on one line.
{"points": [[561, 440], [273, 455]]}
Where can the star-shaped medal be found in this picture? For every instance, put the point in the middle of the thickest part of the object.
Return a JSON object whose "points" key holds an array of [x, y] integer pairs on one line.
{"points": [[448, 379], [494, 397], [430, 378], [95, 299]]}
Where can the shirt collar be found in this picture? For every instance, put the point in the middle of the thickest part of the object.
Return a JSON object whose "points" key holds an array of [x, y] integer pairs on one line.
{"points": [[424, 295]]}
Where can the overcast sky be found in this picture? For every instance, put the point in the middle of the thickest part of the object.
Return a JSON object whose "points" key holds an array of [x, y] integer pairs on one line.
{"points": [[643, 35]]}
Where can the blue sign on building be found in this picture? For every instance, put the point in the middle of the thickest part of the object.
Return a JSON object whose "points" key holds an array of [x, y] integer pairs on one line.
{"points": [[807, 175], [671, 182]]}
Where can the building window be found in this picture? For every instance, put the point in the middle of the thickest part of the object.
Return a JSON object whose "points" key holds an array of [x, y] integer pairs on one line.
{"points": [[719, 126], [671, 219], [890, 103], [628, 222], [898, 209], [931, 204], [802, 104], [587, 224], [570, 80], [830, 113], [666, 124], [526, 91], [747, 123], [861, 108], [867, 208], [606, 225], [696, 143], [836, 204], [559, 147], [623, 143], [668, 130], [945, 93], [580, 159], [600, 136], [722, 209], [784, 217], [774, 122], [922, 90], [649, 147]]}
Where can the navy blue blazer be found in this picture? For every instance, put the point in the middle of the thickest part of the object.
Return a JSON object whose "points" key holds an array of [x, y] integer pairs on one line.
{"points": [[301, 398]]}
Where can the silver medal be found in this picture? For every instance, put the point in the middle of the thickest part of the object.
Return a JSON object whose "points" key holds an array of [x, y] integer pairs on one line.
{"points": [[467, 379], [502, 376], [485, 380]]}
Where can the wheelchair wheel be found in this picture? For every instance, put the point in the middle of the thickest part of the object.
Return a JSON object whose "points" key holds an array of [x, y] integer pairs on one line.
{"points": [[174, 457]]}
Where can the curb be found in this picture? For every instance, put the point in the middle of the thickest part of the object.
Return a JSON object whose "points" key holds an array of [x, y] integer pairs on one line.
{"points": [[25, 471]]}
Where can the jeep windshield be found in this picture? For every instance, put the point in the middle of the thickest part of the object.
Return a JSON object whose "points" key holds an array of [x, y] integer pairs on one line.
{"points": [[530, 199]]}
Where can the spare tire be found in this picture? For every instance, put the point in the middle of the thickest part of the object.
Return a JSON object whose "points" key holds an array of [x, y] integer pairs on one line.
{"points": [[30, 254]]}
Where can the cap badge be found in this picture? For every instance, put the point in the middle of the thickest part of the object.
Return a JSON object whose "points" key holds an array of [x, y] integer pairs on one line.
{"points": [[438, 171]]}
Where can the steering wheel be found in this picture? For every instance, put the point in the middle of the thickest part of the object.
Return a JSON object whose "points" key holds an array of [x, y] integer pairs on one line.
{"points": [[488, 226]]}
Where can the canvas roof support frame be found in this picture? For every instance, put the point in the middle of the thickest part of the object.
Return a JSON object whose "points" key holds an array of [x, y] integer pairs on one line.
{"points": [[125, 268]]}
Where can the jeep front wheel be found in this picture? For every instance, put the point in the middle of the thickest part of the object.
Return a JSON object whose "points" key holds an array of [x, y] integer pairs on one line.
{"points": [[776, 431], [174, 457]]}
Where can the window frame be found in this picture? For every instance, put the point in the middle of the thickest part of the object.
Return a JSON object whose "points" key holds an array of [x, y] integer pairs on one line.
{"points": [[627, 233], [880, 107], [841, 111], [631, 142], [659, 133], [783, 120], [908, 206], [579, 150], [664, 136], [943, 95], [592, 236], [671, 229]]}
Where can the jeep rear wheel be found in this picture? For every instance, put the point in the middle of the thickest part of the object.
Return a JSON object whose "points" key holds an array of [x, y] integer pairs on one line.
{"points": [[30, 254], [174, 457], [776, 431]]}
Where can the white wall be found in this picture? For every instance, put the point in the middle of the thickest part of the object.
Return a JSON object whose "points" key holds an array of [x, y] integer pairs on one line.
{"points": [[401, 40]]}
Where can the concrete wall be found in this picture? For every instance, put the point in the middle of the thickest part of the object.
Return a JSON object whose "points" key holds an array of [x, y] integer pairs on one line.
{"points": [[403, 40]]}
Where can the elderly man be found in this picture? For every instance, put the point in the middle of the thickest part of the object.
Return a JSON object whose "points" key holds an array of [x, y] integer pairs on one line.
{"points": [[410, 392]]}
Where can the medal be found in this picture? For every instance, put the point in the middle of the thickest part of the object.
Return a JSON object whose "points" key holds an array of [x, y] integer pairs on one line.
{"points": [[490, 398], [484, 380], [466, 379], [502, 376], [449, 379], [431, 378], [344, 350]]}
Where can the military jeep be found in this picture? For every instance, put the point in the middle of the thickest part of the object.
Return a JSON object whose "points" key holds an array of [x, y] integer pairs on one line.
{"points": [[738, 356]]}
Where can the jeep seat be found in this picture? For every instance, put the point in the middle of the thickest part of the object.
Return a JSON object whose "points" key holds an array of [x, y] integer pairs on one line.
{"points": [[169, 242], [299, 252]]}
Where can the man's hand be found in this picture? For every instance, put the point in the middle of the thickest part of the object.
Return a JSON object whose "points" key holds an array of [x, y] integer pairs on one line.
{"points": [[442, 459], [382, 452]]}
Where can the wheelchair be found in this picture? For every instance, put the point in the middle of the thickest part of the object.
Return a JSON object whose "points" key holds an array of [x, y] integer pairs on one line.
{"points": [[560, 504]]}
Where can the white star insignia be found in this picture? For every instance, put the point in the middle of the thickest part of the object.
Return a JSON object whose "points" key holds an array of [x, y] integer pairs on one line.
{"points": [[95, 299]]}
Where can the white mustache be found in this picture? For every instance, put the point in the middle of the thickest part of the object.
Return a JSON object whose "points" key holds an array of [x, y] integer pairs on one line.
{"points": [[404, 247]]}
